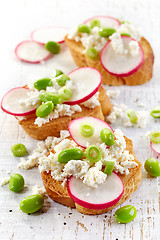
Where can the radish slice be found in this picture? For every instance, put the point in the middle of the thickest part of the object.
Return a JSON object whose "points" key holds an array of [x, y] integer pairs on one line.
{"points": [[106, 195], [31, 52], [86, 81], [11, 102], [106, 22], [121, 65], [155, 147], [44, 35], [74, 130]]}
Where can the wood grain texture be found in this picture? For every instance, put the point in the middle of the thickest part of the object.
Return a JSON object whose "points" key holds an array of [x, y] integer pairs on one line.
{"points": [[18, 18]]}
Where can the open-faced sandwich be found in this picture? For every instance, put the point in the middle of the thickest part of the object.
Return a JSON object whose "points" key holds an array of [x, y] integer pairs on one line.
{"points": [[93, 168], [46, 107], [114, 48]]}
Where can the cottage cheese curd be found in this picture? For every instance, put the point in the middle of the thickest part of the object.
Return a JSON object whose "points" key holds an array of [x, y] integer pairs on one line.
{"points": [[43, 147], [119, 47], [4, 181], [38, 190], [60, 109], [94, 40], [91, 174], [118, 113]]}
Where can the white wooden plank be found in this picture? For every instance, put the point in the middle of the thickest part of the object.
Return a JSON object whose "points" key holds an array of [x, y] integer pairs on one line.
{"points": [[18, 18]]}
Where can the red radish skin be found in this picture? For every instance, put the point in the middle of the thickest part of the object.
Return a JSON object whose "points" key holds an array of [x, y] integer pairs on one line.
{"points": [[86, 120], [92, 205], [131, 71], [117, 22], [87, 97], [13, 113], [48, 54], [153, 147], [45, 28]]}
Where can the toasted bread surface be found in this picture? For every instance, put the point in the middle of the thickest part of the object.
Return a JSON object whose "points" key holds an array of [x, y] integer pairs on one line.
{"points": [[53, 127], [59, 193], [143, 75]]}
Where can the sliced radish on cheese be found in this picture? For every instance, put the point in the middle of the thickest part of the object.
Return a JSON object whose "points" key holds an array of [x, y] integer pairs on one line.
{"points": [[11, 102], [106, 195], [121, 65], [86, 82], [105, 21], [31, 52], [44, 35], [95, 124]]}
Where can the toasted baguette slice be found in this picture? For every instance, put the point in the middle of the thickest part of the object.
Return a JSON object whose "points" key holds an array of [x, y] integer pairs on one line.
{"points": [[54, 127], [143, 75], [59, 194]]}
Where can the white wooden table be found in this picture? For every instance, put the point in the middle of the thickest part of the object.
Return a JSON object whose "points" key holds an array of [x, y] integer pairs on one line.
{"points": [[17, 19]]}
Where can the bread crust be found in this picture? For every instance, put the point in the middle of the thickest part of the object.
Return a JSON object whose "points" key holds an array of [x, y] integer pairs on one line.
{"points": [[59, 193], [143, 75], [53, 127]]}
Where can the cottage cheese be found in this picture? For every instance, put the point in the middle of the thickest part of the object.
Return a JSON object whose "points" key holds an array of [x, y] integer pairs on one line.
{"points": [[4, 181], [119, 114], [119, 47], [92, 102], [113, 93], [93, 39], [129, 29], [38, 190], [61, 109], [43, 147], [91, 174]]}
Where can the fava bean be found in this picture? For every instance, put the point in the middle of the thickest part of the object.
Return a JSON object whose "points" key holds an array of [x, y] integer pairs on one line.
{"points": [[83, 28], [95, 23], [32, 203], [53, 47], [126, 214], [49, 96], [57, 73], [45, 109], [70, 154], [61, 80], [92, 53], [43, 83], [16, 183], [106, 32], [152, 166]]}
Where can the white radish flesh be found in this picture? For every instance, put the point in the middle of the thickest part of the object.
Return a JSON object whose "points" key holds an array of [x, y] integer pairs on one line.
{"points": [[105, 195], [86, 81], [11, 102], [121, 65], [74, 130], [44, 35], [106, 21], [31, 52], [155, 147]]}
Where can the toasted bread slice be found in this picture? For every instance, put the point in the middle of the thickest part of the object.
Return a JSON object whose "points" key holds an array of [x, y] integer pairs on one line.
{"points": [[59, 194], [54, 127], [143, 75]]}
